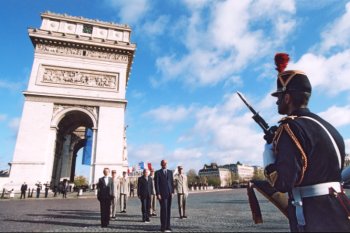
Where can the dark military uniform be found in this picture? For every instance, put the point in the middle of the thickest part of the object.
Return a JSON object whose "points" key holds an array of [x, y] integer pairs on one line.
{"points": [[309, 159], [317, 163]]}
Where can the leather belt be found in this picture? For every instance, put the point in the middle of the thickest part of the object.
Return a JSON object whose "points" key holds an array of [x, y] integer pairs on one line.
{"points": [[310, 191]]}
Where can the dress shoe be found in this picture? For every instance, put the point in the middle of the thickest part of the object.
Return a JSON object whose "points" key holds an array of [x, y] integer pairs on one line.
{"points": [[184, 216]]}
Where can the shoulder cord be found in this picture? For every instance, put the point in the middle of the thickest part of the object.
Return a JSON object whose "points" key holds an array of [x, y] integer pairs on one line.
{"points": [[300, 148]]}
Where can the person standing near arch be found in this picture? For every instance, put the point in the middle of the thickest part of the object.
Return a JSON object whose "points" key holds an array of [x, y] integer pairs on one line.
{"points": [[104, 196], [164, 183]]}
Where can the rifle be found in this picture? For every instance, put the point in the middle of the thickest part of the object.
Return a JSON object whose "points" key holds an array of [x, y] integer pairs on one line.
{"points": [[268, 131]]}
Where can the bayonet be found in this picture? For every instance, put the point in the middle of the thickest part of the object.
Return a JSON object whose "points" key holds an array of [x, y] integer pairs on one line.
{"points": [[268, 131]]}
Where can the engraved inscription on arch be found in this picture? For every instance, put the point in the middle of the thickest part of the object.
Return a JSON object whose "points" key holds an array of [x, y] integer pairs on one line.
{"points": [[52, 75], [63, 50]]}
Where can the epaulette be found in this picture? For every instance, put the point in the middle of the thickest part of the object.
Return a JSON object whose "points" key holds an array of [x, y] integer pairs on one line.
{"points": [[287, 118]]}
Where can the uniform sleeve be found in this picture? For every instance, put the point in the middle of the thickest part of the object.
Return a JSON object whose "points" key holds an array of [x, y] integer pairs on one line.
{"points": [[287, 170]]}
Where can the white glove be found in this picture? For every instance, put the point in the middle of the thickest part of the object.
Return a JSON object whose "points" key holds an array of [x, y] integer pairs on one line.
{"points": [[268, 155]]}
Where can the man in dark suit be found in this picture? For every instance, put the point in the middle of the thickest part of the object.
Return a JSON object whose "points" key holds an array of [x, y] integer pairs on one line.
{"points": [[105, 196], [164, 183], [23, 190], [144, 192]]}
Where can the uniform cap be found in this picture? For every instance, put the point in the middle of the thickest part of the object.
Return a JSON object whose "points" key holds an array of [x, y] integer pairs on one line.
{"points": [[289, 80]]}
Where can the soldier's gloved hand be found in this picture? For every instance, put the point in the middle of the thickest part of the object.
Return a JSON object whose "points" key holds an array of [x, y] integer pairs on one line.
{"points": [[269, 136], [268, 155]]}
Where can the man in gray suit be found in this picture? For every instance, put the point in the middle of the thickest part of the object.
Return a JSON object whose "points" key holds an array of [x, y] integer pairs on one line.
{"points": [[124, 192], [105, 195], [116, 192], [181, 187]]}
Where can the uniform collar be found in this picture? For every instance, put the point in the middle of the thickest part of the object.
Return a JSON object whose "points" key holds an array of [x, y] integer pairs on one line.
{"points": [[300, 112]]}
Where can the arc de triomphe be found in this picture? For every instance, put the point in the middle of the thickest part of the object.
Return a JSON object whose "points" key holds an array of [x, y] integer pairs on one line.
{"points": [[77, 85]]}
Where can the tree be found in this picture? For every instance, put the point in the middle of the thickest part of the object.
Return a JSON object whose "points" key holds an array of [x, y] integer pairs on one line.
{"points": [[80, 181], [191, 176], [258, 174], [214, 181]]}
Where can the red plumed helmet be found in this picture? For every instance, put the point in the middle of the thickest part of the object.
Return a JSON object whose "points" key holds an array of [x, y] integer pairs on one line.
{"points": [[281, 61]]}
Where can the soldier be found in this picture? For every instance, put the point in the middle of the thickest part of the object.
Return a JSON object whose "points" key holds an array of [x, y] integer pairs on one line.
{"points": [[124, 192], [153, 210], [116, 192], [181, 187], [306, 158]]}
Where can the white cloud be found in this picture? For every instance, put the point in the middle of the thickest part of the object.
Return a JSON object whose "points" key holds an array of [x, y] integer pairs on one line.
{"points": [[14, 124], [337, 116], [187, 154], [167, 114], [224, 133], [337, 34], [231, 38], [152, 153], [13, 86], [137, 94], [157, 27], [330, 74], [3, 117], [196, 4], [130, 11]]}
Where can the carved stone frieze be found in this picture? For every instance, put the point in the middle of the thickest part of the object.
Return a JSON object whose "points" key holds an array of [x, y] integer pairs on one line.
{"points": [[69, 51], [74, 77]]}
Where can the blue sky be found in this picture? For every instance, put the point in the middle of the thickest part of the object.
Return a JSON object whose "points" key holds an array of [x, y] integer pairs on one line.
{"points": [[191, 58]]}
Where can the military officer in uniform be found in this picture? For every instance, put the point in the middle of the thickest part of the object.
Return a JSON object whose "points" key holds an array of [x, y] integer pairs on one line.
{"points": [[153, 210], [124, 192], [306, 158], [181, 187], [116, 193]]}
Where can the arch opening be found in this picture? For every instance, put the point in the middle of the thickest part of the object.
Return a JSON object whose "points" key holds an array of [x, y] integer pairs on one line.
{"points": [[71, 137]]}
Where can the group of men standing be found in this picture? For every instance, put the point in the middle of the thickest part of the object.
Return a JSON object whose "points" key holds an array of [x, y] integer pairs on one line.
{"points": [[110, 190], [159, 185]]}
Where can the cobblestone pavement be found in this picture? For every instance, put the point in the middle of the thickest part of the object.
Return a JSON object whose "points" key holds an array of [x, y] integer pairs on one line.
{"points": [[216, 211]]}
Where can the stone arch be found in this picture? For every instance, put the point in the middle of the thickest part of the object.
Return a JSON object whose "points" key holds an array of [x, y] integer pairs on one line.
{"points": [[61, 113], [71, 124]]}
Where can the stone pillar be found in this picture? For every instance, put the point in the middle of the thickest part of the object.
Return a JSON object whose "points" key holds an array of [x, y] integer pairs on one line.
{"points": [[51, 153], [65, 156]]}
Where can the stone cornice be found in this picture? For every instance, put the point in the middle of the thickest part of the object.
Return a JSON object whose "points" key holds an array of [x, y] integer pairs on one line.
{"points": [[82, 40], [74, 100], [39, 36], [96, 22]]}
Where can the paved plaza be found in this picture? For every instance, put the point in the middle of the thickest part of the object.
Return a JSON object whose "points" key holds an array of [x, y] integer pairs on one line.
{"points": [[216, 211]]}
